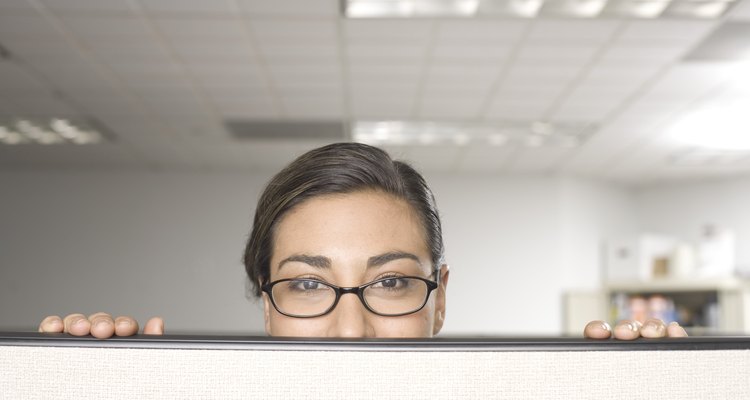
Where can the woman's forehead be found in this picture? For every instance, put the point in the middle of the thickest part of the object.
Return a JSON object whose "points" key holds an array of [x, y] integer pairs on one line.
{"points": [[360, 224]]}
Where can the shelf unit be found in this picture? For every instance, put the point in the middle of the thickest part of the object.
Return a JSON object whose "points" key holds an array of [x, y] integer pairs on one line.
{"points": [[732, 298]]}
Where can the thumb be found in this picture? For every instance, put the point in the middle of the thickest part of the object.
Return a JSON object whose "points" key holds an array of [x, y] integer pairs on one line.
{"points": [[154, 326]]}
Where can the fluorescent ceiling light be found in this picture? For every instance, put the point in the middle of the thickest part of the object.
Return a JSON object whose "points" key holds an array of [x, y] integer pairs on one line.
{"points": [[427, 133], [717, 127], [410, 8], [638, 8], [574, 8], [56, 131], [702, 9], [699, 9]]}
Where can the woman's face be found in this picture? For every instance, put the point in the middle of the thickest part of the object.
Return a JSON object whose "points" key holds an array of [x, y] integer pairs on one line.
{"points": [[346, 231]]}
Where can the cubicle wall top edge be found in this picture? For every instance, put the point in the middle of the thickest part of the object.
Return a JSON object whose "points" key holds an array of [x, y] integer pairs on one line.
{"points": [[454, 344]]}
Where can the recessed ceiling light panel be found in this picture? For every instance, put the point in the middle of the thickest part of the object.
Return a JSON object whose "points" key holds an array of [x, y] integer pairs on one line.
{"points": [[689, 9], [427, 133], [21, 131]]}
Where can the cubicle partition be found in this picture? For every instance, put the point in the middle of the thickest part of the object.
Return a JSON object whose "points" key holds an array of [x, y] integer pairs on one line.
{"points": [[42, 366]]}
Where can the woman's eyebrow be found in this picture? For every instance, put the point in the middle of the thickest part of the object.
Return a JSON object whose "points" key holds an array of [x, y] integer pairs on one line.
{"points": [[381, 259], [314, 261]]}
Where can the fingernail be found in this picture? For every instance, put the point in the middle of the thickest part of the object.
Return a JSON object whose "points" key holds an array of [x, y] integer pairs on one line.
{"points": [[674, 323], [123, 323], [651, 326], [605, 326], [633, 327], [78, 322], [99, 323]]}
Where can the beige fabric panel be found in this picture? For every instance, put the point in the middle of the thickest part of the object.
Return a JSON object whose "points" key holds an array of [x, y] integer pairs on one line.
{"points": [[120, 373]]}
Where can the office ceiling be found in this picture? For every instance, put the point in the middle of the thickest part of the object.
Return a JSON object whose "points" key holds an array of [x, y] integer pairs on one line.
{"points": [[163, 76]]}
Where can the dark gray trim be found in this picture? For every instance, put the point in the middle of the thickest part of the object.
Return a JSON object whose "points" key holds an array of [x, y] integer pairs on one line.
{"points": [[462, 344]]}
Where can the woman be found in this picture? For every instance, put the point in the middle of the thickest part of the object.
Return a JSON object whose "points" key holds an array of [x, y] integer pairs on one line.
{"points": [[346, 242]]}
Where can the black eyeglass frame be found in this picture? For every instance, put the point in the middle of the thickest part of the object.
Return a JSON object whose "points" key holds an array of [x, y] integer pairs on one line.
{"points": [[358, 290]]}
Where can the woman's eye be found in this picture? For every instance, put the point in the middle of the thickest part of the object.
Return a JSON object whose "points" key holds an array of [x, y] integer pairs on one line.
{"points": [[305, 285], [392, 283]]}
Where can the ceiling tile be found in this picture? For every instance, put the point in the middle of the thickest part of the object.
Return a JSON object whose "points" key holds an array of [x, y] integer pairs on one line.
{"points": [[147, 72], [227, 75], [386, 54], [643, 54], [740, 11], [665, 31], [495, 31], [376, 31], [286, 31], [213, 53], [15, 79], [301, 53], [520, 112], [7, 109], [313, 107], [89, 6], [576, 56], [454, 72], [305, 8], [292, 75], [237, 93], [310, 89], [102, 27], [382, 107], [574, 31], [264, 108], [449, 108], [109, 105], [190, 6], [17, 6], [542, 75], [619, 75], [203, 29], [61, 157], [363, 90], [383, 73], [130, 52], [29, 27], [583, 112], [171, 106], [597, 95], [471, 54], [540, 95], [42, 106]]}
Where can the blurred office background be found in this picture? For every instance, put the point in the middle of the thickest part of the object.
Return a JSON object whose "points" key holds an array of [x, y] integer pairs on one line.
{"points": [[590, 158]]}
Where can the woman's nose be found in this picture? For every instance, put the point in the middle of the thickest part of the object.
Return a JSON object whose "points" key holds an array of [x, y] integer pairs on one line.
{"points": [[350, 318]]}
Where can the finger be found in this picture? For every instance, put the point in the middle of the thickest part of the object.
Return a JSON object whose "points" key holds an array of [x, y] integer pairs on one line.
{"points": [[76, 325], [154, 326], [597, 330], [627, 330], [654, 328], [52, 324], [102, 325], [675, 330], [126, 326]]}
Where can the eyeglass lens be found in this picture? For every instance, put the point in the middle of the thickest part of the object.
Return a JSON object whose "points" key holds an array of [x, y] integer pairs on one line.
{"points": [[391, 296]]}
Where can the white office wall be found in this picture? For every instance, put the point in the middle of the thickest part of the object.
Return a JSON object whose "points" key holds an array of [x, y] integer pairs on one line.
{"points": [[683, 209], [170, 244]]}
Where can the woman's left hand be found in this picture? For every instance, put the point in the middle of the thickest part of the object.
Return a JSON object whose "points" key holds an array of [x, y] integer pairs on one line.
{"points": [[631, 329]]}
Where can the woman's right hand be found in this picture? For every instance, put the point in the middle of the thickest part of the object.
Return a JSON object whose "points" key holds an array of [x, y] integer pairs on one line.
{"points": [[100, 325]]}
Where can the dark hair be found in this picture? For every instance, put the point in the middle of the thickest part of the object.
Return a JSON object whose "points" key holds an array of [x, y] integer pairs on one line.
{"points": [[334, 169]]}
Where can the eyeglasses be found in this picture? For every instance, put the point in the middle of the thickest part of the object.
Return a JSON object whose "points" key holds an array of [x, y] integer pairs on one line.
{"points": [[391, 297]]}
